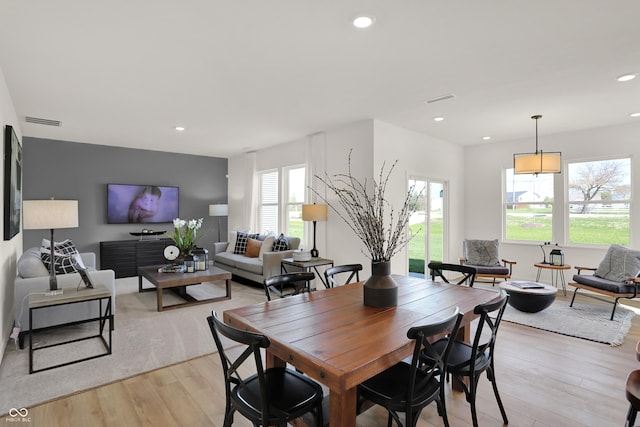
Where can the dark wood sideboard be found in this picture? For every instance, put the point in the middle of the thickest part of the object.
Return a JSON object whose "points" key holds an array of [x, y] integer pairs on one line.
{"points": [[125, 256]]}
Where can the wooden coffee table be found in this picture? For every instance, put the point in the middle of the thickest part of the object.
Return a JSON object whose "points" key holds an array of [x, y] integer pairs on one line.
{"points": [[178, 283]]}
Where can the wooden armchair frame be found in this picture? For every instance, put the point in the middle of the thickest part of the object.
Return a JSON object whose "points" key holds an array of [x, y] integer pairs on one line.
{"points": [[488, 275], [615, 295]]}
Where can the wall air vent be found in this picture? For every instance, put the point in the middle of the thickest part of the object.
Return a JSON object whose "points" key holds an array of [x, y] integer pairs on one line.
{"points": [[40, 121], [440, 98]]}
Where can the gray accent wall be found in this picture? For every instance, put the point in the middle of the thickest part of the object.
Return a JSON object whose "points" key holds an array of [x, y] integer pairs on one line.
{"points": [[69, 170]]}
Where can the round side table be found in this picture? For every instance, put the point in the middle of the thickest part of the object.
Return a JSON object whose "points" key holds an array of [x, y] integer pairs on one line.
{"points": [[557, 274], [530, 300]]}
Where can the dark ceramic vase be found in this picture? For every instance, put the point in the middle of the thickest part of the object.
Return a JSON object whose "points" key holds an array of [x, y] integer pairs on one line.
{"points": [[380, 290]]}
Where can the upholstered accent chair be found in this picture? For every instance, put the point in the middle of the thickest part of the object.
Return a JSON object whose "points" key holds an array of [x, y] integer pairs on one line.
{"points": [[615, 277], [484, 255]]}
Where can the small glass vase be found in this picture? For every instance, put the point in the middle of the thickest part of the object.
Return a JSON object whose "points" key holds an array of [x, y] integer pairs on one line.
{"points": [[380, 290], [190, 263]]}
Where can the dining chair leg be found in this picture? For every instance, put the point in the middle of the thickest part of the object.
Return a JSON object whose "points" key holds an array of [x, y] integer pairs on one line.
{"points": [[631, 416], [492, 378]]}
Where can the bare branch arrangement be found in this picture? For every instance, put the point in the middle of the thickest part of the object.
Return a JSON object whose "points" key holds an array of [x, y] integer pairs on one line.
{"points": [[363, 210]]}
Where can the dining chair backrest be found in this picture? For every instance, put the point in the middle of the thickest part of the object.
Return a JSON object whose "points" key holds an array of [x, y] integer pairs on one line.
{"points": [[438, 269], [273, 396], [409, 388], [231, 367], [331, 272], [288, 284]]}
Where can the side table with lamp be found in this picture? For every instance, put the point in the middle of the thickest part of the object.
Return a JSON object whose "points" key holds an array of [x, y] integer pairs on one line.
{"points": [[557, 266]]}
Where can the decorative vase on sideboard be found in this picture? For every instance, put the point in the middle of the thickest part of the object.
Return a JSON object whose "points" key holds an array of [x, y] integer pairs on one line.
{"points": [[380, 290]]}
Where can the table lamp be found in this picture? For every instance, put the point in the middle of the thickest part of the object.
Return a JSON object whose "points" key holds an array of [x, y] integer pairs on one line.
{"points": [[219, 210], [51, 214], [314, 213]]}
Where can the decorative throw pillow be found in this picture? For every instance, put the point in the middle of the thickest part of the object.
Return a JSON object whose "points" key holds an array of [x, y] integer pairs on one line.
{"points": [[253, 248], [280, 244], [266, 246], [619, 264], [233, 236], [65, 260], [481, 252], [241, 242]]}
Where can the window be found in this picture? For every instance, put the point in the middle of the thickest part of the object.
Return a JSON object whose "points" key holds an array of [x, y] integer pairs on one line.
{"points": [[528, 207], [599, 200], [268, 218], [280, 207], [428, 224], [295, 197]]}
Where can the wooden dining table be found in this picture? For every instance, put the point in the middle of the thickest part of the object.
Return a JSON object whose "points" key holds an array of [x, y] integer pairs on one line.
{"points": [[331, 336]]}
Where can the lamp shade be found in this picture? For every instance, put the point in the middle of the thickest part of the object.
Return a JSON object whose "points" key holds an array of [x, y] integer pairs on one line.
{"points": [[218, 210], [50, 214], [539, 162], [314, 212]]}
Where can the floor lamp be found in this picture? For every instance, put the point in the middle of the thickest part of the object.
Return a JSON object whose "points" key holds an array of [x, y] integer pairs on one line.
{"points": [[219, 210], [50, 214], [314, 213]]}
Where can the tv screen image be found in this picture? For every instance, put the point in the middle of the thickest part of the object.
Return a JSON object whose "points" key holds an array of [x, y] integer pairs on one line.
{"points": [[141, 204]]}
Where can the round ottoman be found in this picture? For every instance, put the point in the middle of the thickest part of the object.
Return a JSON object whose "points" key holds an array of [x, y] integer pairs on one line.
{"points": [[529, 297]]}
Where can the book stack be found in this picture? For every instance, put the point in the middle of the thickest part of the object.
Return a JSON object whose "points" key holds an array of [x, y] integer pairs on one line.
{"points": [[172, 268]]}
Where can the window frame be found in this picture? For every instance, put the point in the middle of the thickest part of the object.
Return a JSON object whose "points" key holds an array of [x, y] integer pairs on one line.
{"points": [[568, 202], [283, 196], [506, 203]]}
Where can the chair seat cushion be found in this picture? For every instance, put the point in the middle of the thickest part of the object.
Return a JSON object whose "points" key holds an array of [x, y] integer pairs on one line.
{"points": [[287, 391], [389, 387], [495, 270], [603, 284]]}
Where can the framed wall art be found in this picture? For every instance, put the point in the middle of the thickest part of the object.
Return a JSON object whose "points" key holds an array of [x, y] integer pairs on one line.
{"points": [[12, 183]]}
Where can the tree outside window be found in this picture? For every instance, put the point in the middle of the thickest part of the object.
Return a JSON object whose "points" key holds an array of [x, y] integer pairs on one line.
{"points": [[599, 201]]}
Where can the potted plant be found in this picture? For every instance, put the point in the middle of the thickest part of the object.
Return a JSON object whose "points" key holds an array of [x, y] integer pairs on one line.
{"points": [[382, 229]]}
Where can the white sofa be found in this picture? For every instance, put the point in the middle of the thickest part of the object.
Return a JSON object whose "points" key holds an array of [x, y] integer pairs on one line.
{"points": [[257, 269], [34, 276]]}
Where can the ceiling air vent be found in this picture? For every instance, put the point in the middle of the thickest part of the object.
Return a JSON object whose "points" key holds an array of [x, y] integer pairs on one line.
{"points": [[440, 98], [40, 121]]}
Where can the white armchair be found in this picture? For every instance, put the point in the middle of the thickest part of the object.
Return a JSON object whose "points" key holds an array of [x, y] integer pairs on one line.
{"points": [[33, 276]]}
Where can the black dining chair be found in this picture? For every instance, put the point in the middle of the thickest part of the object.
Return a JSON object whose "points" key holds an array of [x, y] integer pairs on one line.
{"points": [[406, 387], [269, 397], [288, 284], [331, 272], [471, 360], [438, 269]]}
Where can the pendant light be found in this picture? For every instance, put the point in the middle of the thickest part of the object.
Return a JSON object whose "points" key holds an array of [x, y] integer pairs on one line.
{"points": [[538, 162]]}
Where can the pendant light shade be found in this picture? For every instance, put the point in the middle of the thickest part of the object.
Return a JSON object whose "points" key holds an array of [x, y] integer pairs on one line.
{"points": [[538, 162]]}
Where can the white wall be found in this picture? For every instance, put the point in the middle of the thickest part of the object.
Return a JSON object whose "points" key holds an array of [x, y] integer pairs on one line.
{"points": [[373, 142], [422, 155], [10, 250], [484, 166]]}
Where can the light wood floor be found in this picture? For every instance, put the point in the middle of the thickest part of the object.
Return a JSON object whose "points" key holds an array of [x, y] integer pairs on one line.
{"points": [[545, 379]]}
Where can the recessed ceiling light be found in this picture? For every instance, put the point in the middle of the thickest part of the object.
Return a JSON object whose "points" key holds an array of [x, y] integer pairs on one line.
{"points": [[363, 21], [179, 128], [438, 119], [486, 138], [635, 114], [627, 77]]}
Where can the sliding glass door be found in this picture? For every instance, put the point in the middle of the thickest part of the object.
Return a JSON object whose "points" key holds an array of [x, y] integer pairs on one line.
{"points": [[427, 223]]}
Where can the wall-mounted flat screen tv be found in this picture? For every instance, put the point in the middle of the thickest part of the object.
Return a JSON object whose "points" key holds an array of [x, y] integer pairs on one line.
{"points": [[141, 204]]}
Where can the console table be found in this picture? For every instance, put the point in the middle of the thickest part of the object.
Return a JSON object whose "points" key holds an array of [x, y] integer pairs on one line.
{"points": [[125, 256]]}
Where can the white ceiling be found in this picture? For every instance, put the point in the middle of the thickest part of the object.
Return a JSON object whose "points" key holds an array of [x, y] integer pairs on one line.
{"points": [[242, 75]]}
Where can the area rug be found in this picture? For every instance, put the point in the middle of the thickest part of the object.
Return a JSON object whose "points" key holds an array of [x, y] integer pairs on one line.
{"points": [[143, 340], [587, 319]]}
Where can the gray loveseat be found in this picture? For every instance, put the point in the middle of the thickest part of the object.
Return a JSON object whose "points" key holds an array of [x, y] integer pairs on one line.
{"points": [[256, 269], [33, 276]]}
